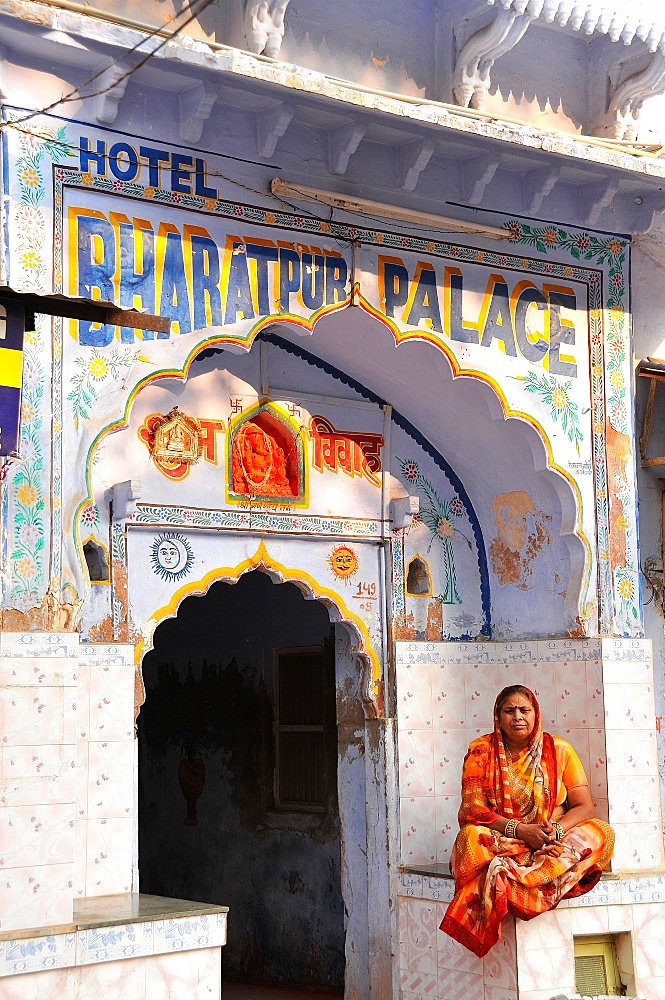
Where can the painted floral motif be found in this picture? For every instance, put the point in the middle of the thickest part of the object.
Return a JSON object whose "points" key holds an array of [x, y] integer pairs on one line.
{"points": [[38, 147], [90, 516], [556, 395], [96, 368], [439, 516]]}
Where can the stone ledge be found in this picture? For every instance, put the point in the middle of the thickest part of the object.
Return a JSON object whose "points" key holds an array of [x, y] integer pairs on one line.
{"points": [[112, 928]]}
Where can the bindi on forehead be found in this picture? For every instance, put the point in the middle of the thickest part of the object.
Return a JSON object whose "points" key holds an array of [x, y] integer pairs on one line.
{"points": [[522, 704]]}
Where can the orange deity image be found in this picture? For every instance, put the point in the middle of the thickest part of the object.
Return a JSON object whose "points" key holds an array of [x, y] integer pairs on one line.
{"points": [[258, 463]]}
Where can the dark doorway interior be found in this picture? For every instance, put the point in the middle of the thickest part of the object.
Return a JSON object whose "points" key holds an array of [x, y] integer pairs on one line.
{"points": [[238, 777]]}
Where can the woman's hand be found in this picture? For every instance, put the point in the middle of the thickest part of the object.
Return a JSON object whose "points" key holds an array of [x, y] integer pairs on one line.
{"points": [[537, 836]]}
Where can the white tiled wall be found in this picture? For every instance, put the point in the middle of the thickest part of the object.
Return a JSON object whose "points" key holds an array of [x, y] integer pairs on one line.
{"points": [[599, 696], [105, 800], [445, 697], [632, 764], [534, 960], [38, 695], [67, 774]]}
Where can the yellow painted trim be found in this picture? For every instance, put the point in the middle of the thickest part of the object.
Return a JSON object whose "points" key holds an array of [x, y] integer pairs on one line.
{"points": [[429, 575], [11, 367], [99, 583], [290, 575]]}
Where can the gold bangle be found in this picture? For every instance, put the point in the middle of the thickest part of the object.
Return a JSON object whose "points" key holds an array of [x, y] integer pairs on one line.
{"points": [[511, 828], [559, 830]]}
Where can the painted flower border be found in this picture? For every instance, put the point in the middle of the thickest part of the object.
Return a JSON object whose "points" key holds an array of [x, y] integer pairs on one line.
{"points": [[38, 149], [618, 612], [254, 520]]}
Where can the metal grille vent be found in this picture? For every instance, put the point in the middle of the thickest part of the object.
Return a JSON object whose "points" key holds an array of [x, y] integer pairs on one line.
{"points": [[590, 975]]}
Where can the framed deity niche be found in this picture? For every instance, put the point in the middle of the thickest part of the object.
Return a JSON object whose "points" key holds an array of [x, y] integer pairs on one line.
{"points": [[266, 458]]}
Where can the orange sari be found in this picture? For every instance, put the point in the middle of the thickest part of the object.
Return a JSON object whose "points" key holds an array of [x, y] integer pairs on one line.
{"points": [[496, 875]]}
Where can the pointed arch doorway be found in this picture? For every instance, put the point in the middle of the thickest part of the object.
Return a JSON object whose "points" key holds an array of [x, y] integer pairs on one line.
{"points": [[253, 686]]}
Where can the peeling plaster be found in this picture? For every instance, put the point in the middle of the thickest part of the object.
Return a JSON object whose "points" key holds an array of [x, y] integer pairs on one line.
{"points": [[521, 537]]}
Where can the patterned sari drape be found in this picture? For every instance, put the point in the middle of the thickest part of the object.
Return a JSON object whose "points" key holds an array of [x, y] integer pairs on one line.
{"points": [[496, 875]]}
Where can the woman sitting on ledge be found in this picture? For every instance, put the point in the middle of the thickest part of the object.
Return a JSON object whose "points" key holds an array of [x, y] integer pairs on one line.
{"points": [[528, 836]]}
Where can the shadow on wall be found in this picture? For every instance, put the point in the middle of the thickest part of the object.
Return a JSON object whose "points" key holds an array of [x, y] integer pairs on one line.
{"points": [[210, 697]]}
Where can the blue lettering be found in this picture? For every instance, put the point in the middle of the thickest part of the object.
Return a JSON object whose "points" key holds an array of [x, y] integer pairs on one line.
{"points": [[532, 350], [155, 158], [560, 333], [289, 276], [459, 330], [313, 280], [200, 178], [498, 325], [205, 278], [96, 266], [117, 153], [181, 179], [174, 299], [425, 304], [137, 288], [99, 157], [262, 254], [238, 293], [395, 285], [336, 278]]}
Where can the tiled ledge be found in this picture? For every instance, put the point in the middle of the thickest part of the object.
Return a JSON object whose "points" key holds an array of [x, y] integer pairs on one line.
{"points": [[615, 888], [110, 928]]}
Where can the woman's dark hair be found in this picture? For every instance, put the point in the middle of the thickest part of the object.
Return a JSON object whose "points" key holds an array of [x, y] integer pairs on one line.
{"points": [[504, 695]]}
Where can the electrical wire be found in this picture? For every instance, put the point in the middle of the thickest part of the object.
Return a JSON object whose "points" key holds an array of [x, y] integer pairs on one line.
{"points": [[76, 92]]}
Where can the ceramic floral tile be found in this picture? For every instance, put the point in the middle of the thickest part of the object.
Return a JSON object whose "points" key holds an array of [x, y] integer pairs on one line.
{"points": [[112, 701], [37, 835], [416, 761], [173, 974], [39, 774], [448, 696], [450, 746], [414, 696], [110, 779], [417, 828], [38, 671], [541, 679], [36, 895], [109, 844], [36, 954], [631, 752], [637, 845], [481, 685], [629, 706], [572, 708], [33, 716], [634, 798], [597, 773], [422, 931], [447, 826], [119, 941]]}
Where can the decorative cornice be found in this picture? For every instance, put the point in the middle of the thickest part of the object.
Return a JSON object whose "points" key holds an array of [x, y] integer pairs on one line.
{"points": [[471, 76], [613, 18], [264, 26], [629, 94]]}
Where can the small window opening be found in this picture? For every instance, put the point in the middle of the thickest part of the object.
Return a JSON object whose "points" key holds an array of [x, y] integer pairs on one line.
{"points": [[300, 729], [596, 966], [418, 579], [95, 558]]}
